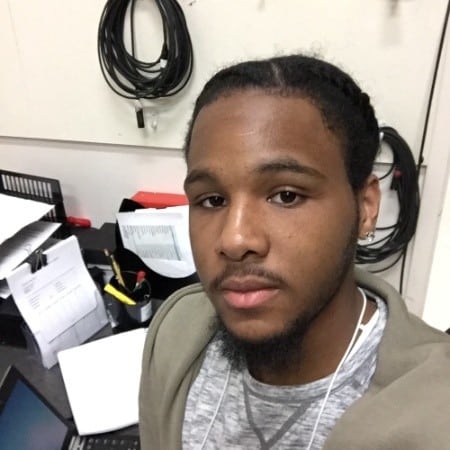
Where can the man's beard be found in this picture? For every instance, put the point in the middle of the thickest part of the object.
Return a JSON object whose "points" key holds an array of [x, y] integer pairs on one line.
{"points": [[276, 353]]}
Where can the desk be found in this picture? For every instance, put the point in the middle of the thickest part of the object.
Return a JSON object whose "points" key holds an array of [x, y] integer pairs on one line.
{"points": [[49, 382]]}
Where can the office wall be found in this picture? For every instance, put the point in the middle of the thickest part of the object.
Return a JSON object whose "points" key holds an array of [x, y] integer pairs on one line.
{"points": [[53, 87], [59, 119], [96, 177], [437, 307]]}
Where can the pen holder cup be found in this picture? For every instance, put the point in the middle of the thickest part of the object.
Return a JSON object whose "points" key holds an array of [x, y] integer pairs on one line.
{"points": [[122, 316]]}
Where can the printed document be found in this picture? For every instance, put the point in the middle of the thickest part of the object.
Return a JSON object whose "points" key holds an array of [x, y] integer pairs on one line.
{"points": [[19, 212], [105, 396], [17, 248], [160, 237], [59, 302]]}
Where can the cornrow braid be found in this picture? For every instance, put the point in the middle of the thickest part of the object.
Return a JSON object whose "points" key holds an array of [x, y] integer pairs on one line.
{"points": [[344, 83], [346, 110]]}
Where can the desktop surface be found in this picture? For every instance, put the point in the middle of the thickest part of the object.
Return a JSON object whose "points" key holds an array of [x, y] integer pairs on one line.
{"points": [[48, 382]]}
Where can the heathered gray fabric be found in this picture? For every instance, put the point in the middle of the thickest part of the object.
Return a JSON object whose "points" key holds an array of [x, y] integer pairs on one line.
{"points": [[253, 415]]}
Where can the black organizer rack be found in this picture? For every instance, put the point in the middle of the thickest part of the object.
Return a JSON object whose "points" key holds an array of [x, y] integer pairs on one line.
{"points": [[46, 190]]}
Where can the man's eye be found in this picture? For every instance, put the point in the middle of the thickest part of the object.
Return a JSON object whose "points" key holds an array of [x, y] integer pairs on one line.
{"points": [[286, 198], [215, 201]]}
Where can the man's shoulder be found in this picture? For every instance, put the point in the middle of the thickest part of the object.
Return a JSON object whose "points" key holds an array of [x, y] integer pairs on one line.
{"points": [[406, 328], [184, 321], [185, 307], [189, 302], [410, 387], [176, 338]]}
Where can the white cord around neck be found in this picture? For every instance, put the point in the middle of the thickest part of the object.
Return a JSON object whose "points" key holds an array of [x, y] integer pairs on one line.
{"points": [[330, 386], [338, 368], [219, 404]]}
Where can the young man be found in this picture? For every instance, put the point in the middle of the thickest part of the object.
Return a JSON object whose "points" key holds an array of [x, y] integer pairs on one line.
{"points": [[284, 344]]}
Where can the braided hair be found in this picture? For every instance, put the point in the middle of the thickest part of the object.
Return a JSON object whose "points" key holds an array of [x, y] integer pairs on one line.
{"points": [[345, 109]]}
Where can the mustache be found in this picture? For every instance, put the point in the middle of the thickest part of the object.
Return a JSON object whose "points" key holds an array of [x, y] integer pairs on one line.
{"points": [[241, 271]]}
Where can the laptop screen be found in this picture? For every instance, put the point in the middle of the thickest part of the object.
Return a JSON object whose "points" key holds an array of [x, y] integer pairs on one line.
{"points": [[27, 422]]}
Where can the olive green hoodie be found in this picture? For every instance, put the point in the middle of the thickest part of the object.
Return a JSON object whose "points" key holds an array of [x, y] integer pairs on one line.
{"points": [[407, 405]]}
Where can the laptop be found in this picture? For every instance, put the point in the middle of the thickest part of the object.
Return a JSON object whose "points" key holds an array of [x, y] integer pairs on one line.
{"points": [[29, 422]]}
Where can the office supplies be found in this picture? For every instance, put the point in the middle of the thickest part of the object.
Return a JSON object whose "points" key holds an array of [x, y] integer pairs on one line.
{"points": [[13, 252], [40, 189], [17, 248], [25, 199], [140, 277], [59, 301], [93, 241], [160, 237], [19, 212], [162, 286], [110, 289], [79, 221], [116, 268], [125, 317], [159, 199], [29, 422], [102, 381], [131, 308]]}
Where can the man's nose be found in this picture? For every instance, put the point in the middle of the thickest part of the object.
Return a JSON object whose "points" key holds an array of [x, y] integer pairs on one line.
{"points": [[243, 232]]}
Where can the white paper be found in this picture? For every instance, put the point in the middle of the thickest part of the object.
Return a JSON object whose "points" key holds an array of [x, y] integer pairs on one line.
{"points": [[17, 248], [102, 381], [160, 237], [18, 212], [59, 302]]}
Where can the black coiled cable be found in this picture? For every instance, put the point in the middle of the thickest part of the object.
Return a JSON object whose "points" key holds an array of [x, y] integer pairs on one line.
{"points": [[396, 237], [132, 78]]}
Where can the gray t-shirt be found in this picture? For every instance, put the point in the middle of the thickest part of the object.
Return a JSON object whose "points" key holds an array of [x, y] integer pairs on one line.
{"points": [[229, 409]]}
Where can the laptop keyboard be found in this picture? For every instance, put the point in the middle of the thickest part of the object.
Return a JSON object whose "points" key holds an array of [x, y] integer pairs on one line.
{"points": [[111, 443]]}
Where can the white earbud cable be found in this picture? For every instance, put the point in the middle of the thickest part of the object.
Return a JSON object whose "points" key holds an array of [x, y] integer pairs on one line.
{"points": [[330, 386], [219, 403], [338, 368]]}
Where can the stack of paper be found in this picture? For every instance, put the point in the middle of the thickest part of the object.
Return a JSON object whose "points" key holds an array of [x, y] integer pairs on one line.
{"points": [[20, 233], [160, 237], [19, 212], [59, 302], [102, 381], [17, 248]]}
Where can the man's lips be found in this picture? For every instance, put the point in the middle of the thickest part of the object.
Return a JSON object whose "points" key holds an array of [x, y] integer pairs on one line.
{"points": [[247, 293]]}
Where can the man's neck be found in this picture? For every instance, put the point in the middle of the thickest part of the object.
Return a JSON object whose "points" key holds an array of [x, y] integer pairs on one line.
{"points": [[323, 344]]}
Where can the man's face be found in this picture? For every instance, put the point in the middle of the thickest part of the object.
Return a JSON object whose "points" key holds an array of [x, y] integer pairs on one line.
{"points": [[273, 219]]}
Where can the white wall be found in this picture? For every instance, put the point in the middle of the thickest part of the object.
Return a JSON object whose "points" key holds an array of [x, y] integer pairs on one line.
{"points": [[432, 227], [95, 177], [53, 88], [60, 120], [437, 306], [437, 204]]}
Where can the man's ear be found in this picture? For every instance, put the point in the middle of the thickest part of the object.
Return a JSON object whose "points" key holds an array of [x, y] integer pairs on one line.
{"points": [[369, 204]]}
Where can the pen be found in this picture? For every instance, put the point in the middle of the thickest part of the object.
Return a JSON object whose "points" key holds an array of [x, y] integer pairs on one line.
{"points": [[110, 289], [140, 277], [115, 267]]}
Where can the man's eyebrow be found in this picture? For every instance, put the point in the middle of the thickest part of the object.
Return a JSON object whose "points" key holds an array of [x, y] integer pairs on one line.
{"points": [[287, 165], [198, 175], [272, 166]]}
